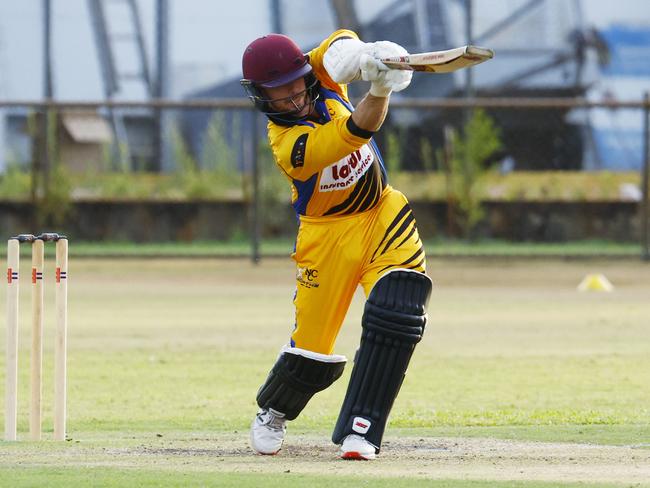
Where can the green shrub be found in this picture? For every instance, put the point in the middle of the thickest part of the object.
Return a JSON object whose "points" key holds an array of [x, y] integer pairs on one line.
{"points": [[15, 182], [52, 186], [427, 154], [470, 154], [393, 151], [275, 191], [54, 206], [218, 176]]}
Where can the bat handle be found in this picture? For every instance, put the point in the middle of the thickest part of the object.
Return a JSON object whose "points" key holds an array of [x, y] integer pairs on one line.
{"points": [[382, 67]]}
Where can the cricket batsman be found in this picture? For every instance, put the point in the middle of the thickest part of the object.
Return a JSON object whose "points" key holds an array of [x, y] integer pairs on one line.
{"points": [[355, 229]]}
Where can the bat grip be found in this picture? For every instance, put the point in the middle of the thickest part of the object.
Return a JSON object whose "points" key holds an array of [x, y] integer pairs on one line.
{"points": [[381, 66], [399, 67]]}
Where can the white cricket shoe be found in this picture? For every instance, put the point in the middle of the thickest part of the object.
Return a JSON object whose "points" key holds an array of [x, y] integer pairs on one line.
{"points": [[356, 447], [267, 431]]}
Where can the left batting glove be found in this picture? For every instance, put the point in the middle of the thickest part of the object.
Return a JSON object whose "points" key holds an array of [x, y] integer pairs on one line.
{"points": [[341, 60]]}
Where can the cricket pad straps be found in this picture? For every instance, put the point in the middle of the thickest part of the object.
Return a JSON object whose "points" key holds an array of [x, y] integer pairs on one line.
{"points": [[297, 375], [393, 323]]}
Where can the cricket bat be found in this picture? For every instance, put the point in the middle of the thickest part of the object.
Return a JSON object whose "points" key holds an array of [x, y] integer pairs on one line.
{"points": [[441, 61]]}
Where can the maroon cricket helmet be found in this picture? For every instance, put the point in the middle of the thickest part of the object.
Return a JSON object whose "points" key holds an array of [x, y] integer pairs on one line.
{"points": [[271, 61], [274, 60]]}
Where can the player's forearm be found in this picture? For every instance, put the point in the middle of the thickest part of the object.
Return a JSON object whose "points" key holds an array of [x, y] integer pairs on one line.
{"points": [[371, 112]]}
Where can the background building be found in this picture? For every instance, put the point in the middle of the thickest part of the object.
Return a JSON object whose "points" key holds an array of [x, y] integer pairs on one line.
{"points": [[617, 133], [544, 48]]}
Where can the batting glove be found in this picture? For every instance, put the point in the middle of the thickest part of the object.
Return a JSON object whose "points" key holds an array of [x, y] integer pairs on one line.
{"points": [[397, 79], [341, 60], [348, 60], [375, 71], [383, 81]]}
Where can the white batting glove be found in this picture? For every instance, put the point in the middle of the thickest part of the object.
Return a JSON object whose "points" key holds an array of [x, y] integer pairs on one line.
{"points": [[387, 49], [383, 81], [348, 60], [341, 60], [374, 71], [397, 79]]}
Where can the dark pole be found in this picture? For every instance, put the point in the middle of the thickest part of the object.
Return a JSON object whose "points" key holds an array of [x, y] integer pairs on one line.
{"points": [[645, 203], [44, 154], [469, 82], [162, 82], [47, 47], [467, 112], [276, 17], [255, 197]]}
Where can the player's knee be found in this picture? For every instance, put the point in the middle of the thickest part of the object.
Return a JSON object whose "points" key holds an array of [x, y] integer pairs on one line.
{"points": [[396, 305], [297, 375]]}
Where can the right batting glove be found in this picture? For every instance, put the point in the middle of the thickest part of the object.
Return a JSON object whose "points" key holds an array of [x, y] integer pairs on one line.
{"points": [[382, 80]]}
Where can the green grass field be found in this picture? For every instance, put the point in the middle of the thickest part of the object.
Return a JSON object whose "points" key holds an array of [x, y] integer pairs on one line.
{"points": [[281, 247], [520, 380]]}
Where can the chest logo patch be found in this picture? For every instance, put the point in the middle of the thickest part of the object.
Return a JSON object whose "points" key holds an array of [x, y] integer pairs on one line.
{"points": [[347, 171]]}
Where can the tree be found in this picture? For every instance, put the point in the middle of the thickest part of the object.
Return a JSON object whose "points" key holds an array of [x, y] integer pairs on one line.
{"points": [[467, 161]]}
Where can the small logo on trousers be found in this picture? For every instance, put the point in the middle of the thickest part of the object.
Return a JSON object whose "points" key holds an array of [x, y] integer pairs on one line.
{"points": [[307, 277], [361, 425]]}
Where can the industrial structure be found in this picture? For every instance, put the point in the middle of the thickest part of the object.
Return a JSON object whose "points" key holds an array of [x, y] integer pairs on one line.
{"points": [[544, 49]]}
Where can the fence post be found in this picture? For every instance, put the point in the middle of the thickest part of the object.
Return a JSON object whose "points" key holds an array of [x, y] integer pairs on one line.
{"points": [[645, 202], [46, 163], [255, 198]]}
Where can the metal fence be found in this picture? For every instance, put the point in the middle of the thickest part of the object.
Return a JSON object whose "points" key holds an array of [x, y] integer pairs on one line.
{"points": [[165, 136]]}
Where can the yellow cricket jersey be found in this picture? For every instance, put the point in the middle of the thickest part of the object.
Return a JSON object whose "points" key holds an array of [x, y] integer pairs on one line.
{"points": [[334, 167], [354, 228]]}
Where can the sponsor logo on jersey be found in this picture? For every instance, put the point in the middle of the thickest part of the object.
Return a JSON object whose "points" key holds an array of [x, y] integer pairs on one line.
{"points": [[346, 172]]}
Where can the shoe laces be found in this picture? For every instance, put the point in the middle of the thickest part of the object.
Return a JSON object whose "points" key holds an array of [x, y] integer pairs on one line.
{"points": [[354, 437], [271, 420]]}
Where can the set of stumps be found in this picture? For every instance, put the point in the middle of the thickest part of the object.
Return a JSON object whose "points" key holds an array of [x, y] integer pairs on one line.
{"points": [[37, 243]]}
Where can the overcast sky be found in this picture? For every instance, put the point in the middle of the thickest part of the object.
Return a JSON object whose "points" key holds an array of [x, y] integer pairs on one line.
{"points": [[207, 37]]}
